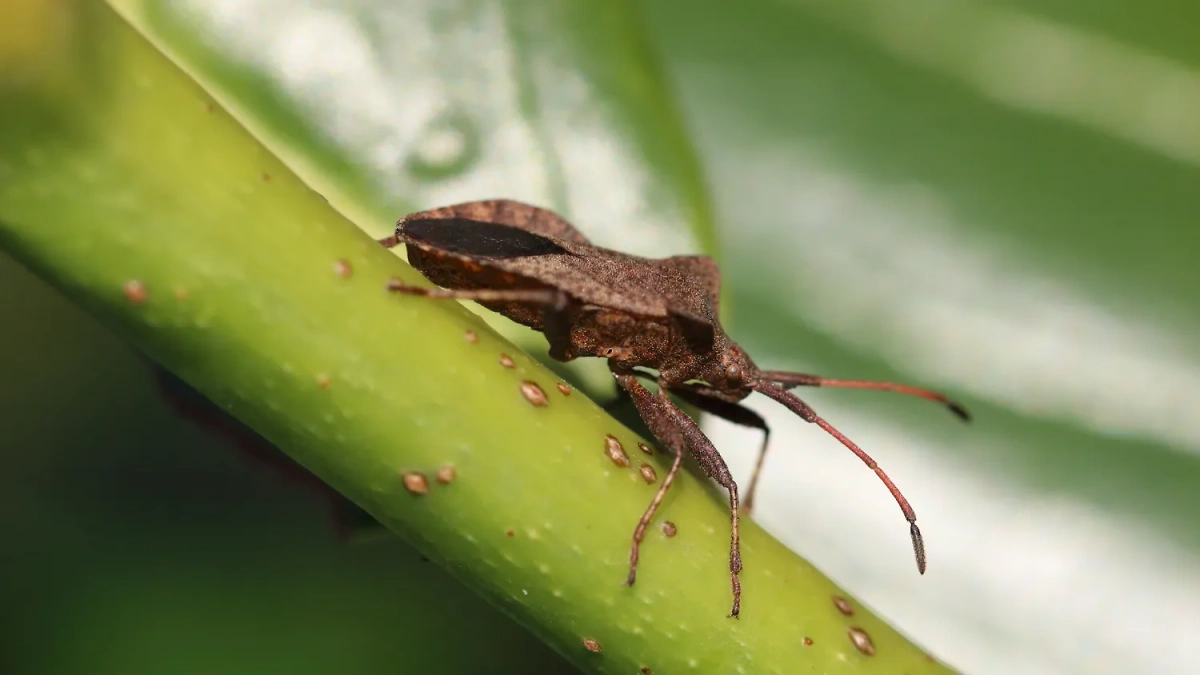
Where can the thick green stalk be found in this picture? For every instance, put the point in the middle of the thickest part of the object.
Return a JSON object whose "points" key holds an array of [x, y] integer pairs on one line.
{"points": [[126, 186]]}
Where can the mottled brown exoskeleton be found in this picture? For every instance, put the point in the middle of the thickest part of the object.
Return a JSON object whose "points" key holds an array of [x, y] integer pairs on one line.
{"points": [[533, 267]]}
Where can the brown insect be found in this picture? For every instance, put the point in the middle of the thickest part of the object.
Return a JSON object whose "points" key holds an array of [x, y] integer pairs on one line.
{"points": [[533, 267]]}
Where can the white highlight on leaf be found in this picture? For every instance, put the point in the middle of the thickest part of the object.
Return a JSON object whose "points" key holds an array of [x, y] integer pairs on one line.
{"points": [[375, 81]]}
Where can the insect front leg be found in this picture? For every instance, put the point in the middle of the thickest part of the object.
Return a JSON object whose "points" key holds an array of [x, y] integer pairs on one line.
{"points": [[738, 414], [712, 402], [554, 304], [675, 429]]}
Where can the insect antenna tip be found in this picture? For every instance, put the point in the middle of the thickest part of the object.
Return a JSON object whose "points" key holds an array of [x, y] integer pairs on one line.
{"points": [[918, 546], [959, 411]]}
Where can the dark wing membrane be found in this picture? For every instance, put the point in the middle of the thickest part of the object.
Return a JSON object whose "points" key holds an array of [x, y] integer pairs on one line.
{"points": [[534, 219], [477, 238], [516, 214]]}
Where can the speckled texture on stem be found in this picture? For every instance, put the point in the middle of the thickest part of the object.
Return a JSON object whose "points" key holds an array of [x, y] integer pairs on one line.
{"points": [[117, 172]]}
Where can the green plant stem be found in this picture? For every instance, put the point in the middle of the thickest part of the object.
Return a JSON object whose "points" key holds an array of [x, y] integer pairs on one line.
{"points": [[123, 184]]}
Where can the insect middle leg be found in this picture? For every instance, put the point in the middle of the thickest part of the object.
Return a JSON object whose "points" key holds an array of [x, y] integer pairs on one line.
{"points": [[189, 405], [675, 429]]}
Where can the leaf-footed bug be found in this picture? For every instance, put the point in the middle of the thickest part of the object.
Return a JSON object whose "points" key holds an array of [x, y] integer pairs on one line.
{"points": [[532, 266]]}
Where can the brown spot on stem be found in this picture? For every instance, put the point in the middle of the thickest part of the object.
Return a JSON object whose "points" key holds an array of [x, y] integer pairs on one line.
{"points": [[563, 388], [342, 269], [266, 177], [648, 473], [323, 381], [862, 641], [446, 474], [615, 452], [471, 337], [416, 483], [534, 394], [646, 670], [510, 533], [209, 107], [669, 528], [181, 293], [645, 448], [808, 642], [591, 645], [843, 605], [506, 361], [135, 291]]}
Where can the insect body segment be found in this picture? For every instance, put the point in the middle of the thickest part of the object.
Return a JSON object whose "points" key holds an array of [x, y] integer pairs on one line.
{"points": [[532, 266]]}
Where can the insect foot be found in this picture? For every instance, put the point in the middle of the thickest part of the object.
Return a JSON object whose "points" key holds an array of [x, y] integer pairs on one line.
{"points": [[533, 267]]}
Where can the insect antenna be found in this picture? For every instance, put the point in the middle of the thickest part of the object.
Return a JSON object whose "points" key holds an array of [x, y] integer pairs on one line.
{"points": [[789, 380], [793, 403]]}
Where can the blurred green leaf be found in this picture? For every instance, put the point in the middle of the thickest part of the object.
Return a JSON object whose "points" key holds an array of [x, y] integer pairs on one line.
{"points": [[997, 199]]}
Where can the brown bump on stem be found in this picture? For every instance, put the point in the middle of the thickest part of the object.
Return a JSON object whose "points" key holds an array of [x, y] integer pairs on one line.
{"points": [[615, 452], [563, 388], [862, 641], [843, 605], [181, 293], [669, 528], [646, 670], [323, 381], [645, 448], [510, 533], [446, 474], [648, 474], [266, 177], [135, 291], [415, 482], [209, 107], [342, 269], [534, 394], [808, 641], [471, 337], [591, 645], [506, 361]]}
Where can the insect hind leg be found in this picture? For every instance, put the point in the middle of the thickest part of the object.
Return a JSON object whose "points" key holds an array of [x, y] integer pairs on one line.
{"points": [[554, 303]]}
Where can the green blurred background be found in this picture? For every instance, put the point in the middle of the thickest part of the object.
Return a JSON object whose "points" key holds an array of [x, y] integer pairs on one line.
{"points": [[997, 199]]}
